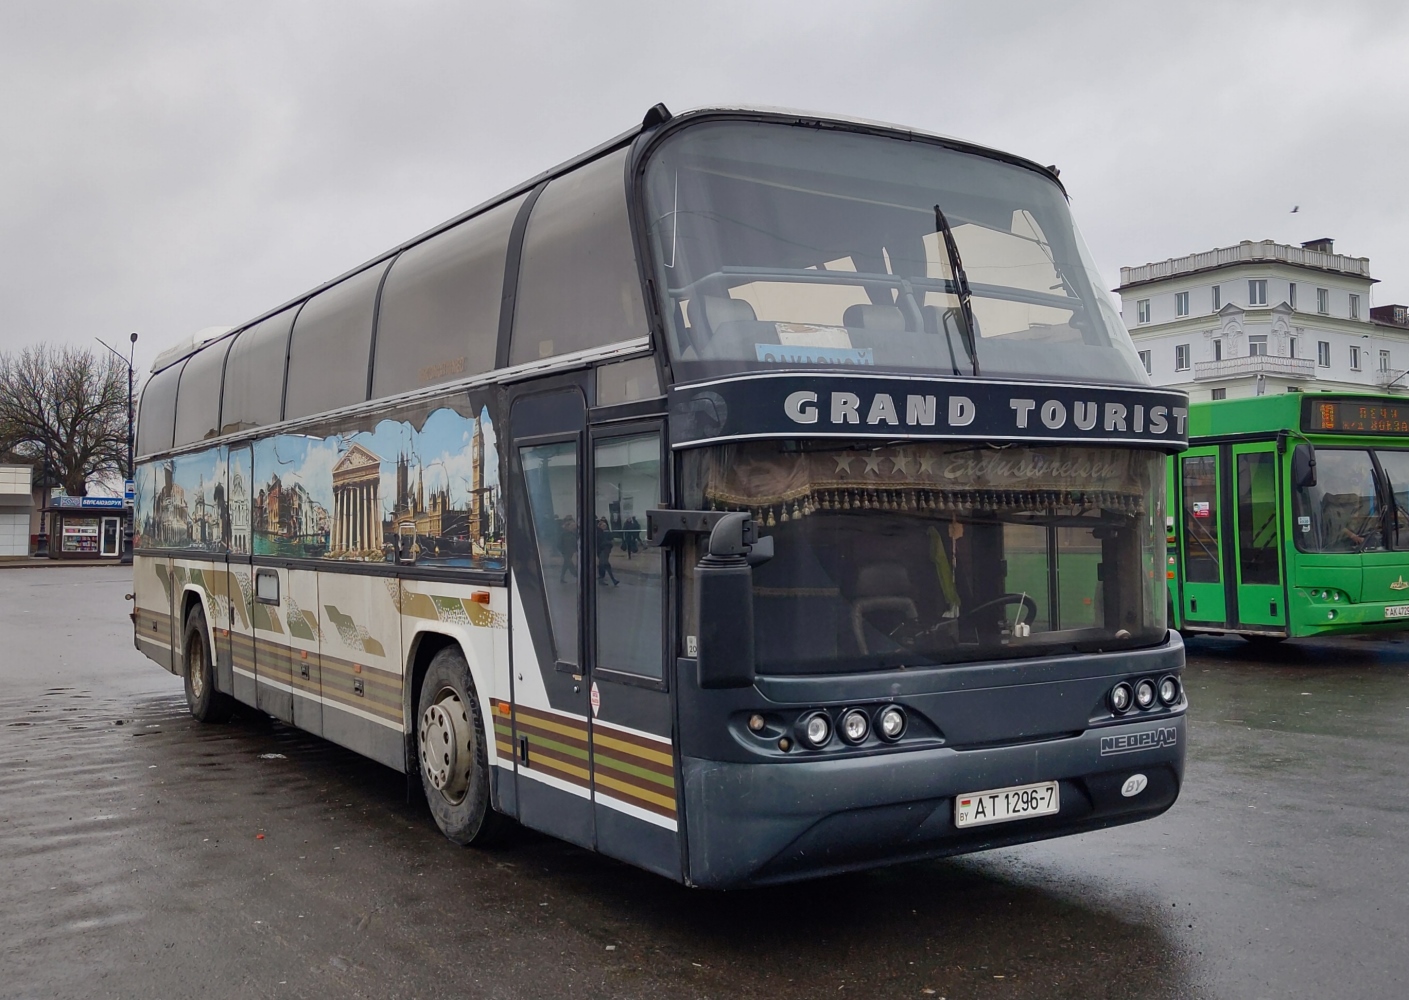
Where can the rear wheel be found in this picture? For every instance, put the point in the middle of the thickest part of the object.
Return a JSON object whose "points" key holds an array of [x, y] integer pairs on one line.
{"points": [[205, 702], [450, 748]]}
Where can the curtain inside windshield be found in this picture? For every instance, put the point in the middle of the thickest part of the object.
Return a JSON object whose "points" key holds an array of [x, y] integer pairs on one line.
{"points": [[935, 553], [779, 246]]}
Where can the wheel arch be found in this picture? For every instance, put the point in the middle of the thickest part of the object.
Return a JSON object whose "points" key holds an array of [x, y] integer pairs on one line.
{"points": [[425, 643], [192, 596]]}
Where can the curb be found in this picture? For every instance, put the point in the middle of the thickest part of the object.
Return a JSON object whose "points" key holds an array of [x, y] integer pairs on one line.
{"points": [[54, 563]]}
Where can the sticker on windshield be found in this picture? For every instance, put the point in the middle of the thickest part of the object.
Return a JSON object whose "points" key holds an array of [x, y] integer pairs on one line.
{"points": [[781, 354], [1201, 508]]}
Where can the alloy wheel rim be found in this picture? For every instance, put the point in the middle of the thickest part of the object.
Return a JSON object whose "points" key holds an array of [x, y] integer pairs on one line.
{"points": [[446, 743]]}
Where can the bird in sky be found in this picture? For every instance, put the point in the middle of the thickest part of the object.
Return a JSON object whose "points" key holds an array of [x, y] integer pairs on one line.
{"points": [[1295, 209]]}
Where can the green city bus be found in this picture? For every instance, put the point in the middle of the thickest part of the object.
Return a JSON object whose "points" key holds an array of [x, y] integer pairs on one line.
{"points": [[1294, 517]]}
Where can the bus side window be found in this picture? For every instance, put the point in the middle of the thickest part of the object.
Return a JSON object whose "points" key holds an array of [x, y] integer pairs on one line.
{"points": [[550, 481], [331, 346], [439, 314], [157, 411], [253, 393], [579, 285], [198, 398]]}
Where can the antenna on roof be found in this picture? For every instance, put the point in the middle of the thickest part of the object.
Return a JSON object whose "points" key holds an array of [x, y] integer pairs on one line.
{"points": [[656, 116]]}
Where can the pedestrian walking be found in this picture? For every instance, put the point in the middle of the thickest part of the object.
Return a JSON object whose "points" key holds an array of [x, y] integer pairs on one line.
{"points": [[604, 554]]}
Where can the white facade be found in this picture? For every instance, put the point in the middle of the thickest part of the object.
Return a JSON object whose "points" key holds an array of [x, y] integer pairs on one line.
{"points": [[15, 493], [1262, 318]]}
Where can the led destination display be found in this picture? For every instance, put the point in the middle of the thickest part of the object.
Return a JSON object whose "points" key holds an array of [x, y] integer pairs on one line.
{"points": [[1355, 416]]}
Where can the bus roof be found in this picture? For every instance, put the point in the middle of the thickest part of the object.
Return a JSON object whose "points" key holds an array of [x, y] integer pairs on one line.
{"points": [[1265, 414], [657, 116]]}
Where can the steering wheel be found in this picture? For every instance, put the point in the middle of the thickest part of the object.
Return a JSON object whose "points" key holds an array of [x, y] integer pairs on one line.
{"points": [[1001, 601]]}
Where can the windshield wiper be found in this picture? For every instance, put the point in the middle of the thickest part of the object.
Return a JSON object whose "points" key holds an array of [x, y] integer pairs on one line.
{"points": [[962, 281]]}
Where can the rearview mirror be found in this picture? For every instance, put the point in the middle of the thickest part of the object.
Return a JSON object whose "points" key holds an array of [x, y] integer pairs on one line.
{"points": [[1304, 466], [724, 605]]}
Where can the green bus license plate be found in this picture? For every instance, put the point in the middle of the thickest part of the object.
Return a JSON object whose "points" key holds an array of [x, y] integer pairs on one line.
{"points": [[1397, 611], [999, 805]]}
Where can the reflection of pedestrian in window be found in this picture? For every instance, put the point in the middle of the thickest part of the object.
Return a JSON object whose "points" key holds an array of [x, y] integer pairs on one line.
{"points": [[632, 541], [567, 545], [604, 553]]}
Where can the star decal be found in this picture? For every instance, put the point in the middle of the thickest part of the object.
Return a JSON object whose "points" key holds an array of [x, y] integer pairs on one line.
{"points": [[843, 464], [873, 463]]}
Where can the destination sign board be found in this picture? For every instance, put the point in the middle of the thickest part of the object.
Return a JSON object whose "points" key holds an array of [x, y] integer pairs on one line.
{"points": [[843, 405], [1355, 416]]}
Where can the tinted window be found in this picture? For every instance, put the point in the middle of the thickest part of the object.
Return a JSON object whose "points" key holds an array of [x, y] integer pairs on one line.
{"points": [[331, 347], [439, 316], [254, 375], [1257, 518], [198, 401], [1201, 560], [630, 574], [550, 480], [157, 413], [578, 282]]}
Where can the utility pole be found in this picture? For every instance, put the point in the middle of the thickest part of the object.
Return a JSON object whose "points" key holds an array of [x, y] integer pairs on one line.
{"points": [[131, 474]]}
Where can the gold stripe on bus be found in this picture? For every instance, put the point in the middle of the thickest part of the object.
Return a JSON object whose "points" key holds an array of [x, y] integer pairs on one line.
{"points": [[546, 725], [542, 761], [655, 799]]}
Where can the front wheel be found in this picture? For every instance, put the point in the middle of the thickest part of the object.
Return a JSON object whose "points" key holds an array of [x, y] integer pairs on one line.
{"points": [[450, 747], [205, 702]]}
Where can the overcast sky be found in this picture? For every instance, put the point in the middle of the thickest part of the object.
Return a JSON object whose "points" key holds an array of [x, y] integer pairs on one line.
{"points": [[168, 167]]}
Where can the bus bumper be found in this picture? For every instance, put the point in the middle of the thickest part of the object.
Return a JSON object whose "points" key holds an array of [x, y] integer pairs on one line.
{"points": [[752, 824]]}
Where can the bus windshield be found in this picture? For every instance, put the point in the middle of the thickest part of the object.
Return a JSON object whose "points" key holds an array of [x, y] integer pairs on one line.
{"points": [[930, 553], [777, 246]]}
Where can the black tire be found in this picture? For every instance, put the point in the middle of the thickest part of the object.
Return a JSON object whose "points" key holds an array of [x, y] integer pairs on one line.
{"points": [[451, 755], [205, 702]]}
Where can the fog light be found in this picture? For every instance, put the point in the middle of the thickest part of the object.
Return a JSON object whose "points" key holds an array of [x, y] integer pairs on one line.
{"points": [[1330, 615], [1121, 697], [891, 723], [855, 726], [1169, 690], [817, 729], [756, 723], [1145, 693]]}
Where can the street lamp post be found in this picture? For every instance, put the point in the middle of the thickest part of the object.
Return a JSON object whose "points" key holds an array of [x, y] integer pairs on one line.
{"points": [[131, 475]]}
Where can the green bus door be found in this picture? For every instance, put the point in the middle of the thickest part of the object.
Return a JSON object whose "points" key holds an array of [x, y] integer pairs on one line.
{"points": [[1202, 517], [1260, 595]]}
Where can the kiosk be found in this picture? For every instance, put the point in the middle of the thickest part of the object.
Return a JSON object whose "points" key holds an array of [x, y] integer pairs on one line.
{"points": [[86, 527]]}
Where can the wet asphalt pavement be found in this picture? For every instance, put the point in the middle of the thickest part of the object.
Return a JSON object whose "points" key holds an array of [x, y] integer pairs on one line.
{"points": [[145, 855]]}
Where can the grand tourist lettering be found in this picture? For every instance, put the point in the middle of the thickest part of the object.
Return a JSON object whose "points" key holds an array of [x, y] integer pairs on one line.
{"points": [[781, 406]]}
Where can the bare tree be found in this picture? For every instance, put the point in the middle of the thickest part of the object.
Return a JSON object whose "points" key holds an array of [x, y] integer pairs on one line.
{"points": [[67, 405]]}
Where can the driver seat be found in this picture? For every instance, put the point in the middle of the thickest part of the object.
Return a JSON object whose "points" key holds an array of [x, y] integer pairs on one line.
{"points": [[882, 600]]}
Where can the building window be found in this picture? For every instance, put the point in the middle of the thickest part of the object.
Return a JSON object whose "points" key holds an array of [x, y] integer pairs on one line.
{"points": [[1355, 357], [1291, 347], [1323, 301], [1355, 307], [1142, 311], [1217, 297], [1181, 357], [1384, 361], [1181, 303], [1145, 360], [1257, 292], [1220, 393], [1323, 353], [1291, 294], [1217, 350], [1257, 345]]}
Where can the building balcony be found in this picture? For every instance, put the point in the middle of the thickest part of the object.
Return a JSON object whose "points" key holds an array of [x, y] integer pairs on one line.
{"points": [[1257, 364], [1393, 379]]}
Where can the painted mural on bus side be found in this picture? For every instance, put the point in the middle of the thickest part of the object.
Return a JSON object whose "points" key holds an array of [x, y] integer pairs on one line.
{"points": [[427, 495]]}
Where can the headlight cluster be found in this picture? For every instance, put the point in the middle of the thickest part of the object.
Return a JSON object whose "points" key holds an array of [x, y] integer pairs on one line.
{"points": [[852, 726], [1334, 596], [1144, 694]]}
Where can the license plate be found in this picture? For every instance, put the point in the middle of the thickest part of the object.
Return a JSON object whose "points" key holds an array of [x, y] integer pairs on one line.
{"points": [[999, 805], [1397, 611]]}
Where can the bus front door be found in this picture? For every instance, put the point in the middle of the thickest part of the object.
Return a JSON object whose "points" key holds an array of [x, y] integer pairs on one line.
{"points": [[1202, 518], [549, 574], [1257, 528]]}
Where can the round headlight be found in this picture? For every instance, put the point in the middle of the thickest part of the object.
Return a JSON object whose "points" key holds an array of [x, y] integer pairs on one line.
{"points": [[817, 729], [1168, 690], [891, 723], [1121, 697], [855, 726], [1145, 693]]}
